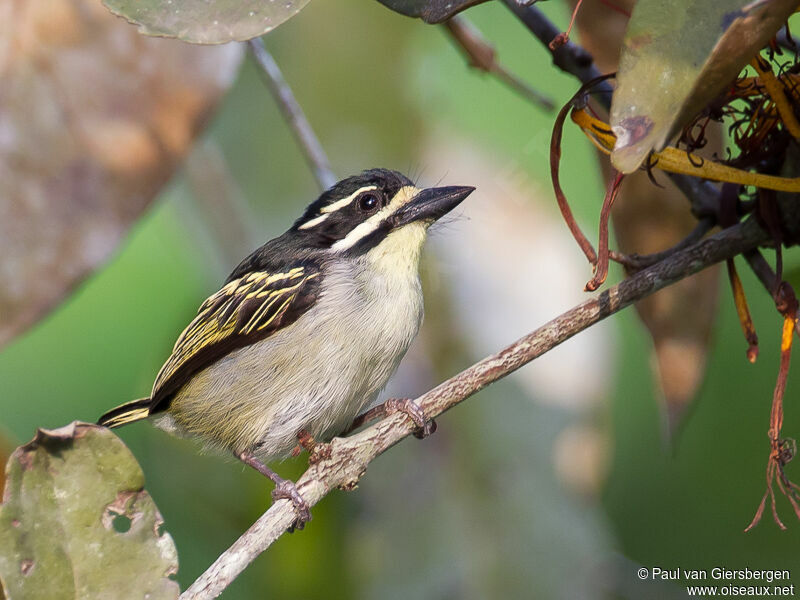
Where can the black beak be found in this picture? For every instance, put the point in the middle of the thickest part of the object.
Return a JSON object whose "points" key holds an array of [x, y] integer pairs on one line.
{"points": [[432, 204]]}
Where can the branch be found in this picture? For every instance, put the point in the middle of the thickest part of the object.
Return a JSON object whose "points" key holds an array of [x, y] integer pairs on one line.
{"points": [[350, 456], [293, 113]]}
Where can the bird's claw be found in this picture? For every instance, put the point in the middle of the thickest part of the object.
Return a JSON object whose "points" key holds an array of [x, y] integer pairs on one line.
{"points": [[413, 411], [287, 490]]}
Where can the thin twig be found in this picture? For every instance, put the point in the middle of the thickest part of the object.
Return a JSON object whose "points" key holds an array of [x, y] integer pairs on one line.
{"points": [[312, 149], [350, 456], [763, 271], [570, 57], [481, 55], [637, 262]]}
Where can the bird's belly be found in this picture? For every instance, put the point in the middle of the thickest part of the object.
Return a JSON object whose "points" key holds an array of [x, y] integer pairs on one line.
{"points": [[259, 397]]}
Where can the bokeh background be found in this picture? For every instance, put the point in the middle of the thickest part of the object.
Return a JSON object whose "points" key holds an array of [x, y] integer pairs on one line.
{"points": [[557, 482]]}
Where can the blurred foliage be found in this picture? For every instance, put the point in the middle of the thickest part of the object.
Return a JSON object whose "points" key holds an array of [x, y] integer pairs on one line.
{"points": [[82, 162], [478, 510]]}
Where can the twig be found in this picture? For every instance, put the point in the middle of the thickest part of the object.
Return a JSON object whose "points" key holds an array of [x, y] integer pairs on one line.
{"points": [[569, 57], [481, 55], [637, 262], [312, 149], [350, 456], [763, 271]]}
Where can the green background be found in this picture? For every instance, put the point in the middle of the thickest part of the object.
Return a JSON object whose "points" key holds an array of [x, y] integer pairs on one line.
{"points": [[478, 510]]}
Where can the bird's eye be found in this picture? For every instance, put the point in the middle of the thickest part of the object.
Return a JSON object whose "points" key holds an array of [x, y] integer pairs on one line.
{"points": [[368, 202]]}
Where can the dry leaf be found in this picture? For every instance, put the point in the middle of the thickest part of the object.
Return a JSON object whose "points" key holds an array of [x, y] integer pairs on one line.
{"points": [[94, 119], [649, 219]]}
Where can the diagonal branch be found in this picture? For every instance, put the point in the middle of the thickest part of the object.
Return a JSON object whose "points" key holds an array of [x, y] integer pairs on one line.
{"points": [[350, 456], [294, 115]]}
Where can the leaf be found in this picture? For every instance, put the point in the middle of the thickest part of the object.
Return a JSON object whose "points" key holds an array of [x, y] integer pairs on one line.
{"points": [[649, 219], [76, 522], [94, 119], [430, 11], [676, 57], [204, 22]]}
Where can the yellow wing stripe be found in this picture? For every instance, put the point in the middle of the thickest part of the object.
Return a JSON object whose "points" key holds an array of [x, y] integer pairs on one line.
{"points": [[220, 316], [263, 309], [129, 417], [277, 312]]}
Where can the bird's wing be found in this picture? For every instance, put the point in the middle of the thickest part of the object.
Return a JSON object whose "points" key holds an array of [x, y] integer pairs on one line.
{"points": [[246, 310]]}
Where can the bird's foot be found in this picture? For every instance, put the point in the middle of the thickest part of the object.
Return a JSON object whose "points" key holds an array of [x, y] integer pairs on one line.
{"points": [[284, 489], [317, 451], [411, 409]]}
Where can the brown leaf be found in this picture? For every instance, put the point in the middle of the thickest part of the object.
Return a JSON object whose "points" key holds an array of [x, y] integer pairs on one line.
{"points": [[94, 119], [649, 219]]}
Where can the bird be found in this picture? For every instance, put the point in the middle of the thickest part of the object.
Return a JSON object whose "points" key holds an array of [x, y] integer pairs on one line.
{"points": [[305, 332]]}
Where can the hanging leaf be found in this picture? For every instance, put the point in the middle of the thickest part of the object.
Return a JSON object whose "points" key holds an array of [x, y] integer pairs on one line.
{"points": [[204, 22], [94, 119], [430, 11], [649, 218], [76, 522], [676, 57]]}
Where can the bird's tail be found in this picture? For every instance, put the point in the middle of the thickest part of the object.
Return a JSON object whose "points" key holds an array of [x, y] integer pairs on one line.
{"points": [[127, 413]]}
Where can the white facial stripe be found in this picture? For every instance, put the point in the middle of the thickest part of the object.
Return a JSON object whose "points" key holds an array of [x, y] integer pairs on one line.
{"points": [[362, 230], [345, 201], [312, 222]]}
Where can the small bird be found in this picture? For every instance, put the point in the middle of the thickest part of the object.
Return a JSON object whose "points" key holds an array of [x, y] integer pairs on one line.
{"points": [[306, 331]]}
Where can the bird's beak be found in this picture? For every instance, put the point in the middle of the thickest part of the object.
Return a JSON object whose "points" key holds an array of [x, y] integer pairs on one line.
{"points": [[431, 204]]}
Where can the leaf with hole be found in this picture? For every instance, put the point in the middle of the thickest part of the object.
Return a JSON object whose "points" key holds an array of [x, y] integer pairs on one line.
{"points": [[76, 522]]}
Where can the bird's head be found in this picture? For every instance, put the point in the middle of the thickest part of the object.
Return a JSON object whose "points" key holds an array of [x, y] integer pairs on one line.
{"points": [[376, 210]]}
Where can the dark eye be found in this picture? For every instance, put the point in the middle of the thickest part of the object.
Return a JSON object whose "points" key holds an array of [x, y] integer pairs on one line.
{"points": [[368, 202]]}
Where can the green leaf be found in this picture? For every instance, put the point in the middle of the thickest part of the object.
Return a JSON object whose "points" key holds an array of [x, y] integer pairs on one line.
{"points": [[204, 22], [677, 56], [430, 11], [76, 522]]}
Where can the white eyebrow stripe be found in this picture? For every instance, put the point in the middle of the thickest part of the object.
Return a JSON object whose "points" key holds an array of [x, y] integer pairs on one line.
{"points": [[339, 204], [362, 230], [312, 222]]}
